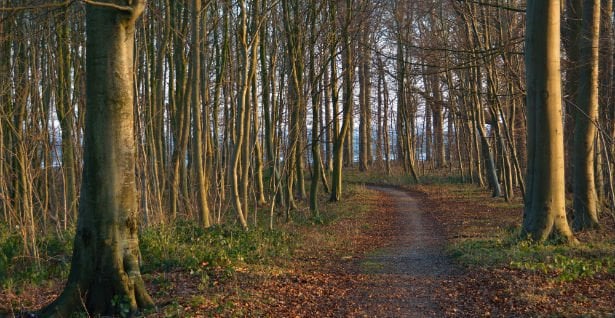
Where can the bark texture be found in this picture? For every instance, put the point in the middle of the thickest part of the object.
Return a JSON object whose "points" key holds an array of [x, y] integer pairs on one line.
{"points": [[545, 210], [105, 275]]}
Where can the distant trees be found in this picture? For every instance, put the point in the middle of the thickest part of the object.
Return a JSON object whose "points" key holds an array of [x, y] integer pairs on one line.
{"points": [[38, 181], [256, 90], [238, 103], [449, 75], [406, 108]]}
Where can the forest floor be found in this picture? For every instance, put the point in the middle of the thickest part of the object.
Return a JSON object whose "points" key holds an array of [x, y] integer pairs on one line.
{"points": [[401, 254], [417, 251], [386, 260]]}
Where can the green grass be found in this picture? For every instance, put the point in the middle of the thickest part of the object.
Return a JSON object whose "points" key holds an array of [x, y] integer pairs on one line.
{"points": [[559, 262]]}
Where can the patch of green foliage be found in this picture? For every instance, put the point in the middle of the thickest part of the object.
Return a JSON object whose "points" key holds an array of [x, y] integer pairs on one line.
{"points": [[187, 246], [569, 268], [330, 212], [442, 179], [183, 245], [121, 306], [370, 266], [560, 262], [17, 269]]}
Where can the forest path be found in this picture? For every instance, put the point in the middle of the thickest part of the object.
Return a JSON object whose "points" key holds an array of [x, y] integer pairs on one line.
{"points": [[406, 277]]}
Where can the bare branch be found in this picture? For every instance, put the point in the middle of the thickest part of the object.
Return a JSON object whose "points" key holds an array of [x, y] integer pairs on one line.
{"points": [[37, 7], [495, 5], [109, 5]]}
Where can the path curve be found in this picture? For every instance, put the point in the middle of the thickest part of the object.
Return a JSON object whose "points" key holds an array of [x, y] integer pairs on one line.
{"points": [[406, 277]]}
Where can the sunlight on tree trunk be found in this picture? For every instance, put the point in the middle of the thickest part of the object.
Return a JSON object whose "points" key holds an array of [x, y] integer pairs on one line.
{"points": [[545, 206]]}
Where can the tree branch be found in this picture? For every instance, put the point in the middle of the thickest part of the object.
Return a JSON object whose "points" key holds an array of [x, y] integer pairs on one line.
{"points": [[37, 7], [494, 5], [109, 5]]}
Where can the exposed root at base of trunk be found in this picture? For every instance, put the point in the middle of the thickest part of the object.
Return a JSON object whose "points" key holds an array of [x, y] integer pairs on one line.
{"points": [[72, 301]]}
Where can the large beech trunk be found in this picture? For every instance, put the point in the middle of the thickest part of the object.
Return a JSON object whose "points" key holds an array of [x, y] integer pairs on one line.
{"points": [[545, 210], [105, 275]]}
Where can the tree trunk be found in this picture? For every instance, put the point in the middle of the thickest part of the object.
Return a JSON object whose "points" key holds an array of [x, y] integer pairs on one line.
{"points": [[341, 138], [179, 107], [258, 149], [105, 274], [65, 113], [385, 118], [364, 103], [197, 119], [585, 214], [545, 205], [240, 118], [438, 123], [316, 156], [571, 31], [607, 88]]}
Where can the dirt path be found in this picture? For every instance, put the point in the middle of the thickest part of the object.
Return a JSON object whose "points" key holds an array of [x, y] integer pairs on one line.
{"points": [[405, 279]]}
